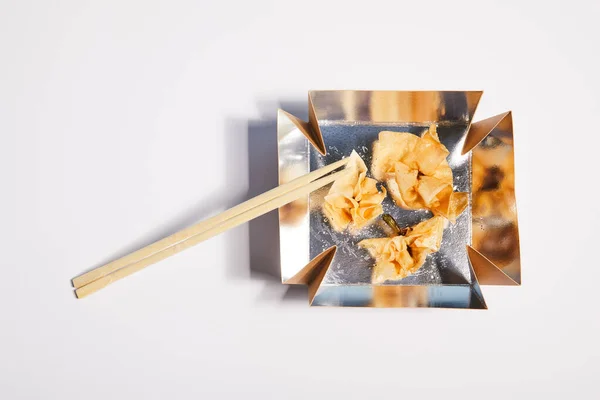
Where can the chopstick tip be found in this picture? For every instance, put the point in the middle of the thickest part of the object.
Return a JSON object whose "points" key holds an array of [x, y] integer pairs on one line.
{"points": [[79, 294]]}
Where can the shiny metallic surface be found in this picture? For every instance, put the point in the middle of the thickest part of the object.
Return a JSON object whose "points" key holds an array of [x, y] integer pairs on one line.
{"points": [[495, 225], [351, 264], [294, 222], [438, 296], [395, 107], [352, 120]]}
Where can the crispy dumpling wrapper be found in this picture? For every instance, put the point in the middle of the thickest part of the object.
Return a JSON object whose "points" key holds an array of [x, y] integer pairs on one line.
{"points": [[400, 256], [417, 173], [353, 199]]}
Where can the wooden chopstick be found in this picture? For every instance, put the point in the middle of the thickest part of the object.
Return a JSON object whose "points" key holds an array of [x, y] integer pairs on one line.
{"points": [[186, 233], [215, 230], [102, 276]]}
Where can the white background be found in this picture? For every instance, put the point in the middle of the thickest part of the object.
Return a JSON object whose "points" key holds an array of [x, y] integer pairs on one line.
{"points": [[123, 121]]}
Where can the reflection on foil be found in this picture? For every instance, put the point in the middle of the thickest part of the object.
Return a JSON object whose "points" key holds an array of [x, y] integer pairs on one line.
{"points": [[390, 296], [395, 106], [495, 228], [293, 213]]}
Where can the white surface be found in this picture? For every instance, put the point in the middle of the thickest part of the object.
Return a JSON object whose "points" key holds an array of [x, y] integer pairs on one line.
{"points": [[123, 121]]}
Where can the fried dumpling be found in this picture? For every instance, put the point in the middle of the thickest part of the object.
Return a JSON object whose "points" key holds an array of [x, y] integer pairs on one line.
{"points": [[417, 173], [400, 256], [353, 199]]}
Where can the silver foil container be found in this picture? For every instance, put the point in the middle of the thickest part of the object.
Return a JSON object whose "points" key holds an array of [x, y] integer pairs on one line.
{"points": [[481, 248]]}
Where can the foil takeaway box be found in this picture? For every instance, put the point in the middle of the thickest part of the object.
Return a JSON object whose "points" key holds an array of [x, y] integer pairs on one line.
{"points": [[481, 248]]}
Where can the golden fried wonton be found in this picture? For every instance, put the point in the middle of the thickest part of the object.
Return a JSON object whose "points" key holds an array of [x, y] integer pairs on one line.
{"points": [[416, 172], [353, 199], [400, 256]]}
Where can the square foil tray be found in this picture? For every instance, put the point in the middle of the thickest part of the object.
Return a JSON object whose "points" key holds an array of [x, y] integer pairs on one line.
{"points": [[481, 248]]}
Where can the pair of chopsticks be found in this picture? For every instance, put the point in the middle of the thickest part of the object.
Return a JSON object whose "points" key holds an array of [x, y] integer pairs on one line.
{"points": [[103, 276]]}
